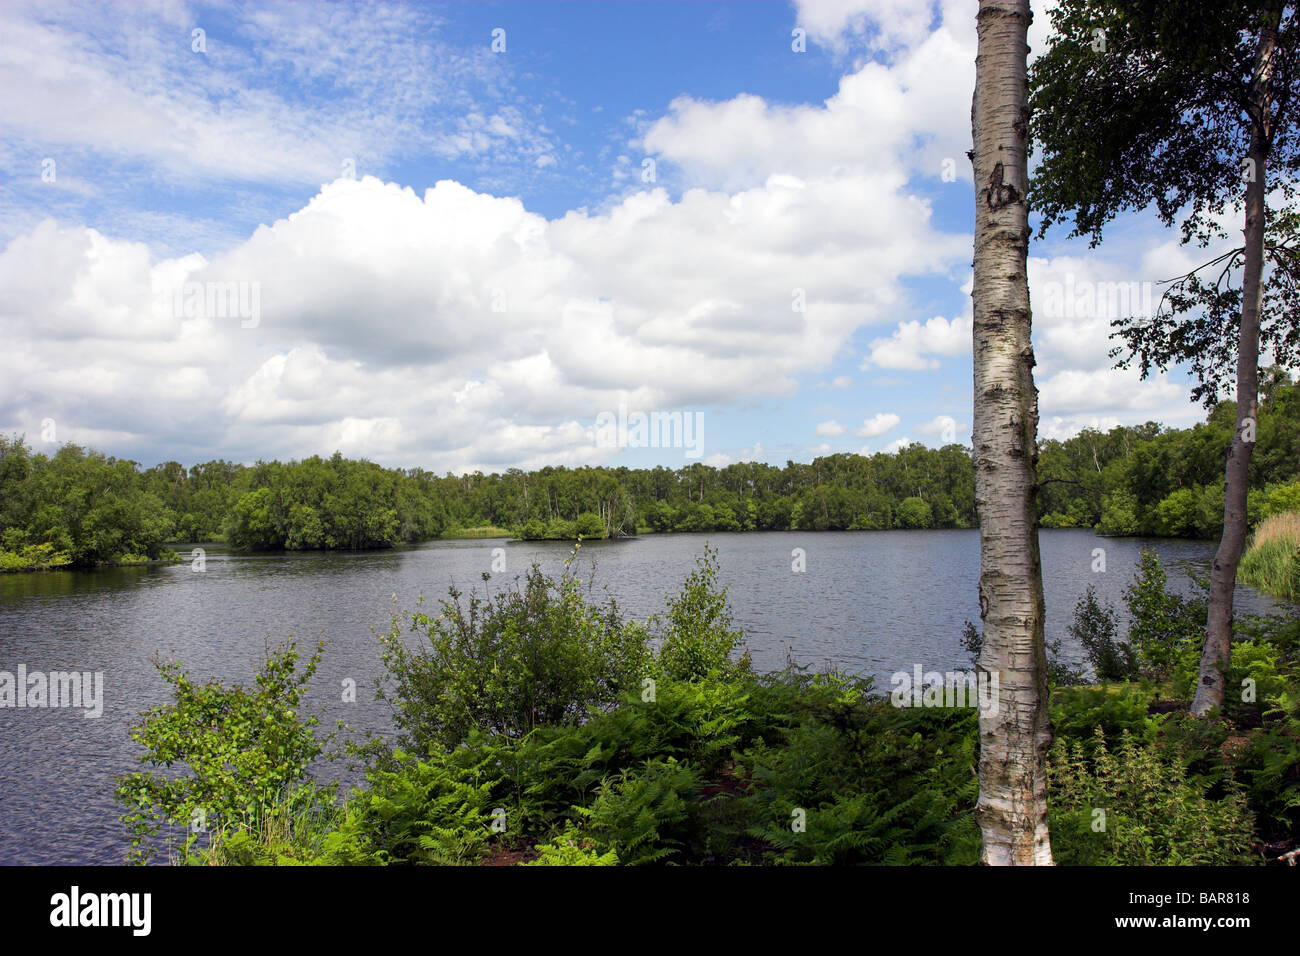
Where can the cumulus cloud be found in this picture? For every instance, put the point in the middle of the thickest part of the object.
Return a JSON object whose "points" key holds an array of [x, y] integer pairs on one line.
{"points": [[457, 328], [877, 425], [896, 446], [897, 112], [946, 428], [913, 344]]}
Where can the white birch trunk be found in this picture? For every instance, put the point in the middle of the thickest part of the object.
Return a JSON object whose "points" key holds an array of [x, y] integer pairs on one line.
{"points": [[1012, 808]]}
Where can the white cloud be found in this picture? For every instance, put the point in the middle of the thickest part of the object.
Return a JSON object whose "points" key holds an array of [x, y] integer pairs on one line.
{"points": [[947, 428], [895, 446], [378, 306], [908, 114], [131, 86], [912, 344], [830, 428], [877, 425]]}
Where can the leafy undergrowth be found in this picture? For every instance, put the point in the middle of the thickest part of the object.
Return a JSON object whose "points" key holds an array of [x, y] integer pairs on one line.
{"points": [[665, 748]]}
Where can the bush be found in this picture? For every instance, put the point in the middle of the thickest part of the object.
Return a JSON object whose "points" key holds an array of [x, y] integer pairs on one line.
{"points": [[914, 513], [1132, 806], [590, 525], [571, 848], [505, 664], [1281, 499], [248, 751], [1117, 709], [646, 815], [855, 780], [34, 557], [1119, 514], [1094, 626], [1176, 515], [699, 637], [1162, 625]]}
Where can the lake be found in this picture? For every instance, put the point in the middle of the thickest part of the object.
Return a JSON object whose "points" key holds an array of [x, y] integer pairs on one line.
{"points": [[872, 602]]}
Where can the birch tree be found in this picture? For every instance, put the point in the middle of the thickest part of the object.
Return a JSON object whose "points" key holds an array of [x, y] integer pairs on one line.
{"points": [[1187, 107], [1014, 736]]}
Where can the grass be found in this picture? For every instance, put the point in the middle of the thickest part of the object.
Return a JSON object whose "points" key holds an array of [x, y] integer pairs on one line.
{"points": [[1272, 561]]}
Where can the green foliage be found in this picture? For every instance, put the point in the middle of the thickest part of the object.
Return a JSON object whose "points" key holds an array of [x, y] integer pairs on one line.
{"points": [[34, 557], [914, 513], [246, 750], [856, 780], [1095, 627], [1116, 709], [1119, 514], [304, 828], [647, 814], [571, 848], [1154, 814], [1282, 499], [434, 811], [75, 508], [326, 504], [699, 636], [507, 663], [1162, 625]]}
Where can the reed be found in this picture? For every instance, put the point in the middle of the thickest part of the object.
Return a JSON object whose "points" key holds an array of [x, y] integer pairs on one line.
{"points": [[1272, 560]]}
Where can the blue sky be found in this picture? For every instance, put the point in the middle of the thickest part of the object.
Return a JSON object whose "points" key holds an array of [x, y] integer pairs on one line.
{"points": [[458, 259]]}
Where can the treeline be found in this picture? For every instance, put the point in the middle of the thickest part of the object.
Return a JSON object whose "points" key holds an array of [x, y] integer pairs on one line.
{"points": [[82, 508], [1150, 480]]}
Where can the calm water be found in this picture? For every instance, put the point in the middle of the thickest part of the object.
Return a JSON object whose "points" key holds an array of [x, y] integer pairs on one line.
{"points": [[874, 602]]}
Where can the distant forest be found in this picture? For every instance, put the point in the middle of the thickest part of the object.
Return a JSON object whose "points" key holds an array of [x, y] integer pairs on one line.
{"points": [[81, 508]]}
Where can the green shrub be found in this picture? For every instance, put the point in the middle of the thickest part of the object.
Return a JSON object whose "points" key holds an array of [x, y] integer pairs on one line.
{"points": [[649, 814], [505, 664], [1094, 626], [34, 557], [1117, 709], [572, 848], [1140, 808], [698, 637], [1119, 514], [590, 525], [1281, 499], [853, 779], [1162, 625], [434, 811], [1176, 515], [914, 513], [247, 752]]}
